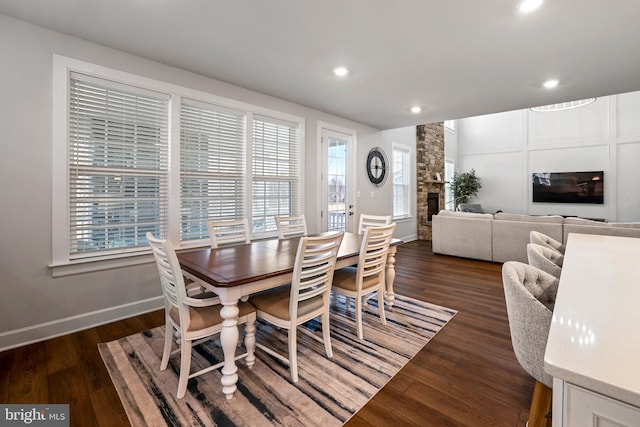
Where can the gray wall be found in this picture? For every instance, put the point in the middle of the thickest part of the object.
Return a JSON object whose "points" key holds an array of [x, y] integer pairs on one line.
{"points": [[35, 305], [506, 148]]}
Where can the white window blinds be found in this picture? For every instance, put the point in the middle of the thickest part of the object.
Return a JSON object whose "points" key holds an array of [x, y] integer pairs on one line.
{"points": [[276, 171], [212, 167], [117, 163]]}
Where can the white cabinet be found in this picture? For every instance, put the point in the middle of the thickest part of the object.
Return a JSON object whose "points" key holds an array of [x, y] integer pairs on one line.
{"points": [[584, 408], [593, 351]]}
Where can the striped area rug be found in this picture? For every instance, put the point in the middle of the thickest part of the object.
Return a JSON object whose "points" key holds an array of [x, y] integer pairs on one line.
{"points": [[328, 392]]}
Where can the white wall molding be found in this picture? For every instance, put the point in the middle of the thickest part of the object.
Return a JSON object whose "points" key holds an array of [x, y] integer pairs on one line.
{"points": [[56, 328], [505, 148]]}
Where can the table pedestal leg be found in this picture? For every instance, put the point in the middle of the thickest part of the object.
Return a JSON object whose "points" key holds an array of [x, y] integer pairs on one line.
{"points": [[390, 275], [229, 341]]}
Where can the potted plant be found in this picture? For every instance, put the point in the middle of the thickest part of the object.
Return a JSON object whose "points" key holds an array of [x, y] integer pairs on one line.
{"points": [[464, 186]]}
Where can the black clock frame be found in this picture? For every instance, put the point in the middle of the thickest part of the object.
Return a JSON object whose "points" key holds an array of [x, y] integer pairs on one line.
{"points": [[377, 160]]}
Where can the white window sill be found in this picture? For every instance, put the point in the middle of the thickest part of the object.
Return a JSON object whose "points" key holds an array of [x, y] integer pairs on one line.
{"points": [[88, 265]]}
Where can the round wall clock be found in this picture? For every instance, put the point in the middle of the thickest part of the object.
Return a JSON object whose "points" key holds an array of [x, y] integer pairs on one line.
{"points": [[377, 166]]}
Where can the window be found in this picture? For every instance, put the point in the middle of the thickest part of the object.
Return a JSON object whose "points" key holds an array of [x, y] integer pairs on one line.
{"points": [[449, 171], [134, 155], [212, 167], [450, 124], [276, 176], [401, 181], [118, 173]]}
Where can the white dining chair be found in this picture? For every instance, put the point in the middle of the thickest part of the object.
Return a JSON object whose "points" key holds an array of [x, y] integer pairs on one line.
{"points": [[369, 275], [291, 226], [367, 220], [195, 319], [228, 232], [306, 298]]}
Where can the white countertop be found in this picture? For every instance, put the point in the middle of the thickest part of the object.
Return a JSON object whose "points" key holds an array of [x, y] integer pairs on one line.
{"points": [[594, 340]]}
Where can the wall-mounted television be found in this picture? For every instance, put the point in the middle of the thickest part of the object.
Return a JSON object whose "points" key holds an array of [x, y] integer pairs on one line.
{"points": [[568, 187]]}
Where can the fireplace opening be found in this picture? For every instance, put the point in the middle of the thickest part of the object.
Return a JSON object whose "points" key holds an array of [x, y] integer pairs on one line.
{"points": [[433, 205]]}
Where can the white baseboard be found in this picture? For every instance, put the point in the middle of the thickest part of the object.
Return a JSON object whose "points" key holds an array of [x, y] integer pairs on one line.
{"points": [[56, 328], [409, 238]]}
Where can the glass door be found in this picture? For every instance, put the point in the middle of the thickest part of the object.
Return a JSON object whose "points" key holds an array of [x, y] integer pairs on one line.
{"points": [[338, 207]]}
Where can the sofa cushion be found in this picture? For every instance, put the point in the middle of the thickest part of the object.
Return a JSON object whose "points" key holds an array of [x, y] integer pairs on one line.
{"points": [[509, 237], [462, 234], [554, 219], [583, 221], [470, 215], [624, 224]]}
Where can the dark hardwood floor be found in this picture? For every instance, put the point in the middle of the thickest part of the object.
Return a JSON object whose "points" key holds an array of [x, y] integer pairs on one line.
{"points": [[466, 376]]}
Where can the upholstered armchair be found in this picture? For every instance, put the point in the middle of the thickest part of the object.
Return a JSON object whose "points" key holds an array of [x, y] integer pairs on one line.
{"points": [[530, 297], [546, 259]]}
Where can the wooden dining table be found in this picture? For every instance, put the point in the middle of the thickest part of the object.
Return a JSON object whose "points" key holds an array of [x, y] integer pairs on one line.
{"points": [[235, 272]]}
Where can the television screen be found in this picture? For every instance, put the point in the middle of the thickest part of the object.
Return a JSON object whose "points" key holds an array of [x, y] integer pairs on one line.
{"points": [[568, 187]]}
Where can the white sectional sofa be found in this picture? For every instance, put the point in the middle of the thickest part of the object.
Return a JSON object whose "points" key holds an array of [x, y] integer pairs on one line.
{"points": [[503, 237], [510, 234], [463, 234], [585, 226]]}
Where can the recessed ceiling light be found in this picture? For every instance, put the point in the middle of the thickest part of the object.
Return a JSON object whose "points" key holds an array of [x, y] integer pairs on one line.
{"points": [[550, 84], [416, 109], [529, 5], [340, 71]]}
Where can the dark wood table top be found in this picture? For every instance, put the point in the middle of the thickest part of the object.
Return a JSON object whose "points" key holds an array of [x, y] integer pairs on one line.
{"points": [[258, 260]]}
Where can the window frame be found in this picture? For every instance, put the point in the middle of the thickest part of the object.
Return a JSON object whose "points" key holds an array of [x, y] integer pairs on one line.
{"points": [[406, 150], [61, 262], [449, 172]]}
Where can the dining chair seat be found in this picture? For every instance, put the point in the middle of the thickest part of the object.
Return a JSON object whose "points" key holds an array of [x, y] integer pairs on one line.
{"points": [[201, 318], [345, 278], [276, 302]]}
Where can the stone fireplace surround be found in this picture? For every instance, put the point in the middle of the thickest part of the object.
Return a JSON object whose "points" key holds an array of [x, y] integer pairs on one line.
{"points": [[429, 162]]}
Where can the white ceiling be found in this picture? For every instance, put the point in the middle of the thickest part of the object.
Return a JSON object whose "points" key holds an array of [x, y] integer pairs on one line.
{"points": [[455, 58]]}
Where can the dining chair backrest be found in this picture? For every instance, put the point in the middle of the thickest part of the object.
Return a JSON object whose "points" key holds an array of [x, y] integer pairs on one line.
{"points": [[372, 221], [313, 270], [544, 240], [545, 258], [369, 276], [373, 252], [291, 226], [228, 232], [171, 279], [308, 296]]}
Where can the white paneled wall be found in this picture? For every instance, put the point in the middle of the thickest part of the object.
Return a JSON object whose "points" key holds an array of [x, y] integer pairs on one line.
{"points": [[628, 113], [506, 148], [586, 124], [627, 179]]}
